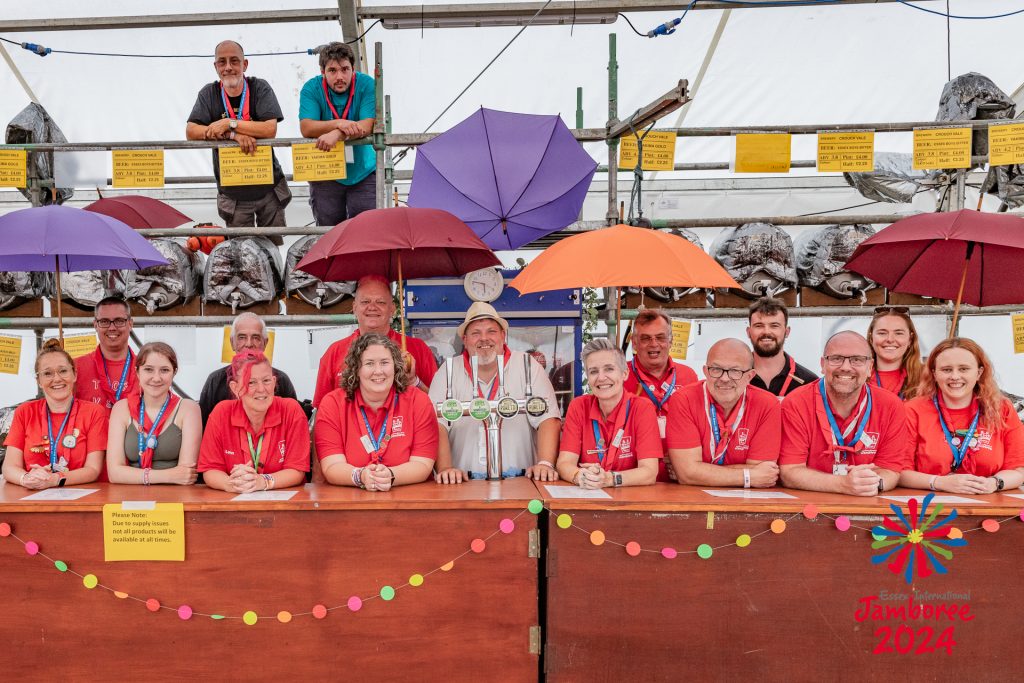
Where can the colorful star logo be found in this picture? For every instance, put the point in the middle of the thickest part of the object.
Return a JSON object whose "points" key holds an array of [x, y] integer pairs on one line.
{"points": [[915, 542]]}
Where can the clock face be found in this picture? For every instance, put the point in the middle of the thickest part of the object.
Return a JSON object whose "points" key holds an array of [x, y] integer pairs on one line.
{"points": [[485, 284]]}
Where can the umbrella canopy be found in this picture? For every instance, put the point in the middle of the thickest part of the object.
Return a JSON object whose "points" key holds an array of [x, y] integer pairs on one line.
{"points": [[622, 256], [138, 211], [513, 178]]}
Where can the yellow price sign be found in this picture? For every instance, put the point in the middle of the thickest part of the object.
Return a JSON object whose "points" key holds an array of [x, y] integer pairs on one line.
{"points": [[227, 353], [310, 163], [659, 151], [13, 168], [138, 167], [143, 531], [942, 148], [763, 153], [10, 354], [239, 168], [1018, 332], [78, 345], [846, 152], [680, 339], [1006, 144]]}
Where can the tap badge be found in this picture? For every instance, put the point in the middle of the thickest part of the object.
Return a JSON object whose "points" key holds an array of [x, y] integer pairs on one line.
{"points": [[479, 408], [508, 407], [536, 406], [451, 409]]}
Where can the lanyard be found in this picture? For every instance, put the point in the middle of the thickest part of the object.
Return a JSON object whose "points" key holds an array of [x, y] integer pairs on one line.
{"points": [[841, 446], [789, 377], [49, 433], [599, 439], [647, 390], [959, 450], [254, 453], [348, 103], [243, 103], [903, 379], [720, 445], [494, 387], [380, 443], [147, 443], [124, 375]]}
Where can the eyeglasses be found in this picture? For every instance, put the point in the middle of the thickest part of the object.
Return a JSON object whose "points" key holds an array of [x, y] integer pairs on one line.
{"points": [[715, 372], [63, 373], [837, 361], [647, 339], [882, 310], [104, 323]]}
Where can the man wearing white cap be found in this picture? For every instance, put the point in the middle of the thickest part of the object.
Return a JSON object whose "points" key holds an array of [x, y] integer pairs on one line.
{"points": [[529, 444]]}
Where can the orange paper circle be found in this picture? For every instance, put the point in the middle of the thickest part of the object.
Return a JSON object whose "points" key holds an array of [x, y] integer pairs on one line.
{"points": [[319, 611], [632, 548], [5, 529], [448, 567], [955, 533], [284, 617], [597, 537], [119, 594], [990, 525], [810, 511], [778, 525]]}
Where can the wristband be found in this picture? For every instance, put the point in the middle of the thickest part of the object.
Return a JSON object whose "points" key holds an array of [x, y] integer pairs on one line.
{"points": [[881, 485], [231, 135], [746, 479], [931, 482], [61, 482], [22, 480], [145, 476], [392, 473], [357, 478], [545, 463]]}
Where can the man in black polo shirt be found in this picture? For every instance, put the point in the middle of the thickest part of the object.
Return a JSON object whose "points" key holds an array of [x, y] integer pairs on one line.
{"points": [[242, 109], [775, 370]]}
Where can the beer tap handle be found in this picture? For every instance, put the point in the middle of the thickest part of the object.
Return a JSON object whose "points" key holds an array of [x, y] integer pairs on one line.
{"points": [[529, 375], [448, 366], [501, 377], [474, 364]]}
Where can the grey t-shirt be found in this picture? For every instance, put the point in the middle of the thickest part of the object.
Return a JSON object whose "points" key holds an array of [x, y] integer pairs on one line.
{"points": [[263, 106]]}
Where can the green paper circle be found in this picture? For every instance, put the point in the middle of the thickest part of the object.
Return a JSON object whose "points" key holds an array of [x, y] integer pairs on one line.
{"points": [[704, 551], [387, 593], [216, 616], [60, 565], [535, 506]]}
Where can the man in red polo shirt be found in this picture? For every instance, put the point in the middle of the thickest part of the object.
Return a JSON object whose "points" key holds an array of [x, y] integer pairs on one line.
{"points": [[107, 375], [840, 436], [374, 308], [723, 432]]}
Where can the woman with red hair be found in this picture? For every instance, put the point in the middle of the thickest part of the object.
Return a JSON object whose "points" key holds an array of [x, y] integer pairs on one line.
{"points": [[259, 441], [968, 436]]}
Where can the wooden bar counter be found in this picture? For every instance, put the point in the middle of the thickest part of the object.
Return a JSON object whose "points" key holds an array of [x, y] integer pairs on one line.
{"points": [[787, 607], [323, 546]]}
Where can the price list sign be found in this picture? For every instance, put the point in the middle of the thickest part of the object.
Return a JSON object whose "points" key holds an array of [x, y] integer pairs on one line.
{"points": [[138, 168]]}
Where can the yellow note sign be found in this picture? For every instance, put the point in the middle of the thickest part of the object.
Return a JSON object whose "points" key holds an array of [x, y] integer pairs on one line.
{"points": [[138, 167], [10, 354], [680, 339], [78, 345], [1018, 332], [310, 163], [846, 152], [659, 151], [143, 530], [13, 168], [763, 153], [942, 148], [1006, 144], [238, 168], [227, 353]]}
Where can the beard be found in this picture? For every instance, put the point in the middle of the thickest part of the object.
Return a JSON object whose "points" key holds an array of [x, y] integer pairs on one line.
{"points": [[774, 349]]}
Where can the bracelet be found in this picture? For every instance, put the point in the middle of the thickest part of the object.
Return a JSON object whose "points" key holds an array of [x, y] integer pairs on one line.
{"points": [[746, 479], [269, 479], [545, 463], [22, 480], [357, 478], [392, 473], [145, 476], [931, 482]]}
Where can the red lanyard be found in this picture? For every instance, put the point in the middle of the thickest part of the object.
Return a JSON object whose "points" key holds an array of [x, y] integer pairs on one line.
{"points": [[608, 452], [229, 110], [789, 377], [494, 386], [348, 103]]}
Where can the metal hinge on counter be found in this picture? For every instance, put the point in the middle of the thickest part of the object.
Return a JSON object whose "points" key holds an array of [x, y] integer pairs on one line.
{"points": [[533, 544], [535, 641]]}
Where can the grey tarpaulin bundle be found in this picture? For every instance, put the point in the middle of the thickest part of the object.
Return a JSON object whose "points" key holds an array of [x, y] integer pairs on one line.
{"points": [[163, 287], [17, 288], [759, 256], [307, 287], [821, 257], [33, 125], [243, 271], [893, 180]]}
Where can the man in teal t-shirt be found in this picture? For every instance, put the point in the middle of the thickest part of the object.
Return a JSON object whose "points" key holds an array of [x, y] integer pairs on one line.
{"points": [[339, 104]]}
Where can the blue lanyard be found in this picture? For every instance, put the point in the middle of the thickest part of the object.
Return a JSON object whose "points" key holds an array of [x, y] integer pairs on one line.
{"points": [[145, 441], [124, 375], [650, 394], [241, 103], [836, 432], [379, 442], [599, 440], [60, 434], [961, 452]]}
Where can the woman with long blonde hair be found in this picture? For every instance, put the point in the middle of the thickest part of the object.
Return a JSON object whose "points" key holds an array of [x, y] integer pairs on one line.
{"points": [[896, 351]]}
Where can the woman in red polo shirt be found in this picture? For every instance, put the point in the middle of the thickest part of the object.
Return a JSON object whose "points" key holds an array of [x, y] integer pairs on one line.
{"points": [[895, 350], [55, 440], [259, 441], [609, 438], [375, 432], [968, 436]]}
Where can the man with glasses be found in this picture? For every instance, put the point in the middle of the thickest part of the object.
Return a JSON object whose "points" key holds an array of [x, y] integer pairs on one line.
{"points": [[839, 435], [653, 373], [774, 369], [107, 375], [374, 308], [723, 432], [248, 332]]}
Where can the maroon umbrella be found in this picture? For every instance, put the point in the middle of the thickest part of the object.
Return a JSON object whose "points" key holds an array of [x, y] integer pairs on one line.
{"points": [[138, 211], [967, 256]]}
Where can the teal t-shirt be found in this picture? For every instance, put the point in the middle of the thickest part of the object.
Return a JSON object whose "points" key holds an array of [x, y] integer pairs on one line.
{"points": [[312, 105]]}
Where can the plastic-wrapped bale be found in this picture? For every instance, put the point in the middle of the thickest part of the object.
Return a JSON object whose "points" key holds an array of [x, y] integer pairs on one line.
{"points": [[85, 288], [163, 287], [33, 125], [973, 97], [668, 294], [759, 256], [1007, 183], [242, 272], [6, 419], [311, 290], [17, 288], [821, 257], [894, 179]]}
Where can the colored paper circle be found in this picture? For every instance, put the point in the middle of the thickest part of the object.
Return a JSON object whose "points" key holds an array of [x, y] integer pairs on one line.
{"points": [[955, 533], [319, 611], [810, 511], [778, 526], [284, 617], [632, 548], [61, 566], [5, 529], [120, 595], [990, 525], [1021, 518], [704, 551], [185, 612], [564, 521], [597, 537], [448, 567], [507, 526], [31, 547], [153, 605], [743, 540], [250, 617], [416, 580], [877, 536], [535, 506], [355, 604], [90, 581], [478, 545], [668, 553], [387, 593], [216, 617], [843, 523]]}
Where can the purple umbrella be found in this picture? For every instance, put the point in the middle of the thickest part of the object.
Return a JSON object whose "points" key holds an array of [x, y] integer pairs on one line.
{"points": [[512, 178], [60, 239]]}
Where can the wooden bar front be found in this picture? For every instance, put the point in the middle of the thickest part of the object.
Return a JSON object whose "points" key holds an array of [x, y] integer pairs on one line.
{"points": [[783, 608], [321, 547]]}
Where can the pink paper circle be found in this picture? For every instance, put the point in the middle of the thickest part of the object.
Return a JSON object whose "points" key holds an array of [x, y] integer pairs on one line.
{"points": [[355, 603], [843, 523], [5, 528], [507, 526], [990, 525], [153, 605], [319, 611], [668, 553], [31, 547], [185, 612], [632, 548], [478, 545], [1021, 518]]}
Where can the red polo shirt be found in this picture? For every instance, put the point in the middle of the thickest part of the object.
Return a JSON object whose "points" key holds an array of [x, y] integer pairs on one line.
{"points": [[285, 438], [657, 385], [333, 362], [806, 434], [757, 437], [98, 383], [890, 380], [88, 424], [998, 449], [639, 432], [411, 429]]}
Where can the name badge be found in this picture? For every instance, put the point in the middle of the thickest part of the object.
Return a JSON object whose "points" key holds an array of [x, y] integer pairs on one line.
{"points": [[662, 422], [350, 154], [618, 439], [840, 469], [367, 444]]}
